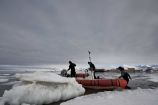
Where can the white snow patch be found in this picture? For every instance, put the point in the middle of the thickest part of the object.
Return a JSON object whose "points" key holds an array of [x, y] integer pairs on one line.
{"points": [[3, 80], [153, 77], [5, 74]]}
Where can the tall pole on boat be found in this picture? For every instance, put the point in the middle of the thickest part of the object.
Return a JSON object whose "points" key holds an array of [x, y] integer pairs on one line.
{"points": [[90, 61], [89, 55]]}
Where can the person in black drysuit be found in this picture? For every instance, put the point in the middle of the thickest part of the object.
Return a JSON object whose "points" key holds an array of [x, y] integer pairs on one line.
{"points": [[72, 67], [125, 76], [92, 68]]}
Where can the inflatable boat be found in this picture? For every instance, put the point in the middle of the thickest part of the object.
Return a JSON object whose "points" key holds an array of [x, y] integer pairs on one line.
{"points": [[102, 83]]}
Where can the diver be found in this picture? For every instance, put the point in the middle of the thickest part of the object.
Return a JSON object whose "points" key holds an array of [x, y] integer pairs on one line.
{"points": [[72, 67], [125, 76]]}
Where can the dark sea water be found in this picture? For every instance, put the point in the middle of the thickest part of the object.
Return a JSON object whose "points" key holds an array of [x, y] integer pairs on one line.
{"points": [[10, 76]]}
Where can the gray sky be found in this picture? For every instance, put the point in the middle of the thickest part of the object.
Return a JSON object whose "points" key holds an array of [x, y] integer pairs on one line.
{"points": [[55, 31]]}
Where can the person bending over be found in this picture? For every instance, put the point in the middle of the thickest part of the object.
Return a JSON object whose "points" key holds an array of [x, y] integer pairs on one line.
{"points": [[72, 68], [124, 75]]}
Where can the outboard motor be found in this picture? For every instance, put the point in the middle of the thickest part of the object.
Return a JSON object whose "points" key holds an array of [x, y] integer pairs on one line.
{"points": [[64, 73]]}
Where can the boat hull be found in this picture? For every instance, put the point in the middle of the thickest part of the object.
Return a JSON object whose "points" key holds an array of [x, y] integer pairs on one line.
{"points": [[102, 83]]}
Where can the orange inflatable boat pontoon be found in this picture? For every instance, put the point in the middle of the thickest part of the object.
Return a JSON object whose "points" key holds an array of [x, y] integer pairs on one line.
{"points": [[102, 83]]}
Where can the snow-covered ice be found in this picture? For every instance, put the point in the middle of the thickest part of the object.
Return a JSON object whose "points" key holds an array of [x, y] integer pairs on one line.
{"points": [[42, 88], [126, 97]]}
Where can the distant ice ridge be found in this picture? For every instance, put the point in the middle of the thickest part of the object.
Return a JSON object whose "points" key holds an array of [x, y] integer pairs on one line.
{"points": [[41, 88], [145, 68], [32, 68], [148, 67], [126, 97]]}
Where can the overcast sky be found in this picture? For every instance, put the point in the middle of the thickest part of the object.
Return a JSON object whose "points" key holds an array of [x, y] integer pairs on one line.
{"points": [[55, 31]]}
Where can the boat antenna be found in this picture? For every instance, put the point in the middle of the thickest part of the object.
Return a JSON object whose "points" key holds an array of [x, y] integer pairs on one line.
{"points": [[89, 55]]}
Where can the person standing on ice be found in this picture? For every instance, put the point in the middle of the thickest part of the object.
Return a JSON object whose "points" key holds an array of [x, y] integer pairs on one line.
{"points": [[72, 67], [92, 68], [124, 75]]}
